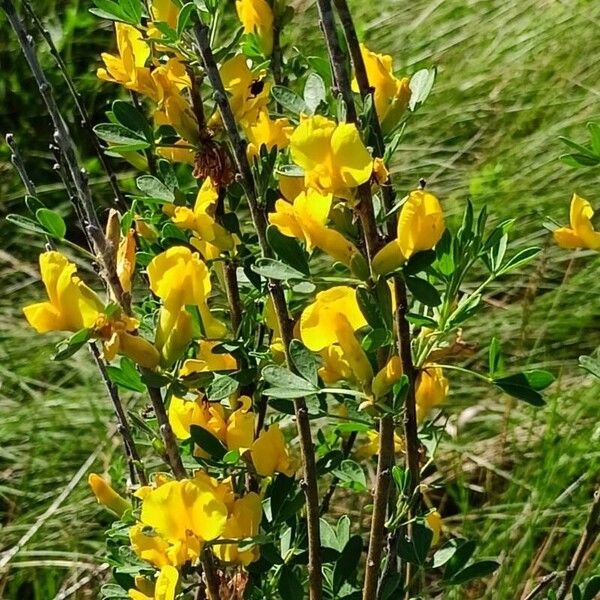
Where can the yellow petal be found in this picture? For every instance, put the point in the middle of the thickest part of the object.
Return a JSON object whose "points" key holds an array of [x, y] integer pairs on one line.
{"points": [[387, 377], [431, 390], [581, 222], [107, 496], [139, 350], [421, 223], [257, 17], [389, 258], [350, 155], [269, 454]]}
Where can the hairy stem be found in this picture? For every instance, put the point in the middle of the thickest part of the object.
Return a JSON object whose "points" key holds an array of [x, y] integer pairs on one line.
{"points": [[279, 302]]}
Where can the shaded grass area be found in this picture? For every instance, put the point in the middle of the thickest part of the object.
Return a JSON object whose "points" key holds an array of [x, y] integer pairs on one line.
{"points": [[512, 77]]}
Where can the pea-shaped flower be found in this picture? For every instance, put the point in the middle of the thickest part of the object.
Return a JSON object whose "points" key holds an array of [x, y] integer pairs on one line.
{"points": [[165, 587], [269, 454], [306, 220], [333, 156], [431, 390], [180, 278], [581, 233], [332, 319], [71, 304], [391, 95], [420, 227], [257, 17]]}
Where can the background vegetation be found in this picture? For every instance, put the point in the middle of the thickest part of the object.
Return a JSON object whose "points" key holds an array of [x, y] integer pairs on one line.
{"points": [[513, 76]]}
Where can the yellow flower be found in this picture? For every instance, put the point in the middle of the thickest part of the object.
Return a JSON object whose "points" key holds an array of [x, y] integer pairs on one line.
{"points": [[371, 446], [257, 17], [269, 454], [107, 496], [208, 415], [154, 549], [71, 304], [126, 260], [431, 390], [243, 522], [173, 334], [201, 220], [240, 426], [165, 587], [163, 11], [180, 278], [335, 366], [333, 157], [185, 514], [207, 361], [433, 520], [248, 93], [420, 227], [391, 95], [177, 112], [385, 379], [306, 220], [116, 333], [333, 318], [180, 155], [128, 69], [268, 132], [581, 233]]}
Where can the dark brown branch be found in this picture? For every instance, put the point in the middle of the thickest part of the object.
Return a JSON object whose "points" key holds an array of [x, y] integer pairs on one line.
{"points": [[81, 109], [277, 294], [133, 457], [589, 534]]}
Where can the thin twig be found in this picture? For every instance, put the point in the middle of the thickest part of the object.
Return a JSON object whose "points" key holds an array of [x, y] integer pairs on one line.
{"points": [[67, 147], [335, 481], [133, 457], [542, 585], [589, 534], [279, 303], [81, 109]]}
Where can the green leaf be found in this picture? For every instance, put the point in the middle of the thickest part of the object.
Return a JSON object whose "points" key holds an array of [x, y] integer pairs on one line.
{"points": [[289, 99], [419, 262], [126, 376], [287, 249], [423, 291], [26, 223], [108, 9], [378, 338], [519, 259], [346, 565], [119, 135], [184, 17], [289, 585], [155, 188], [494, 356], [70, 346], [475, 571], [52, 222], [284, 380], [132, 119], [370, 307], [443, 555], [415, 549], [594, 129], [461, 557], [579, 160], [207, 441], [579, 148], [592, 588], [518, 386], [420, 87], [421, 320], [314, 92], [275, 269], [591, 365], [353, 427], [221, 387], [351, 475], [305, 361]]}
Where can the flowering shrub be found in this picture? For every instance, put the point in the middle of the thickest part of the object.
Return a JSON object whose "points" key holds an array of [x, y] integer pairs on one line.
{"points": [[296, 321]]}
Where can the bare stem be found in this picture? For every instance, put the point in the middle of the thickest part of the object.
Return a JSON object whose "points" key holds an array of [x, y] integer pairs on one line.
{"points": [[81, 109], [380, 502], [277, 294], [131, 452], [543, 584], [63, 139], [589, 534]]}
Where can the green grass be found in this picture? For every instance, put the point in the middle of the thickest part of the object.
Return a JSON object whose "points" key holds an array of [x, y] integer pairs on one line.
{"points": [[512, 77]]}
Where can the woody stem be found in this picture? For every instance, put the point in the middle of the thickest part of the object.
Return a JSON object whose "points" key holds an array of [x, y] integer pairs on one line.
{"points": [[279, 302]]}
